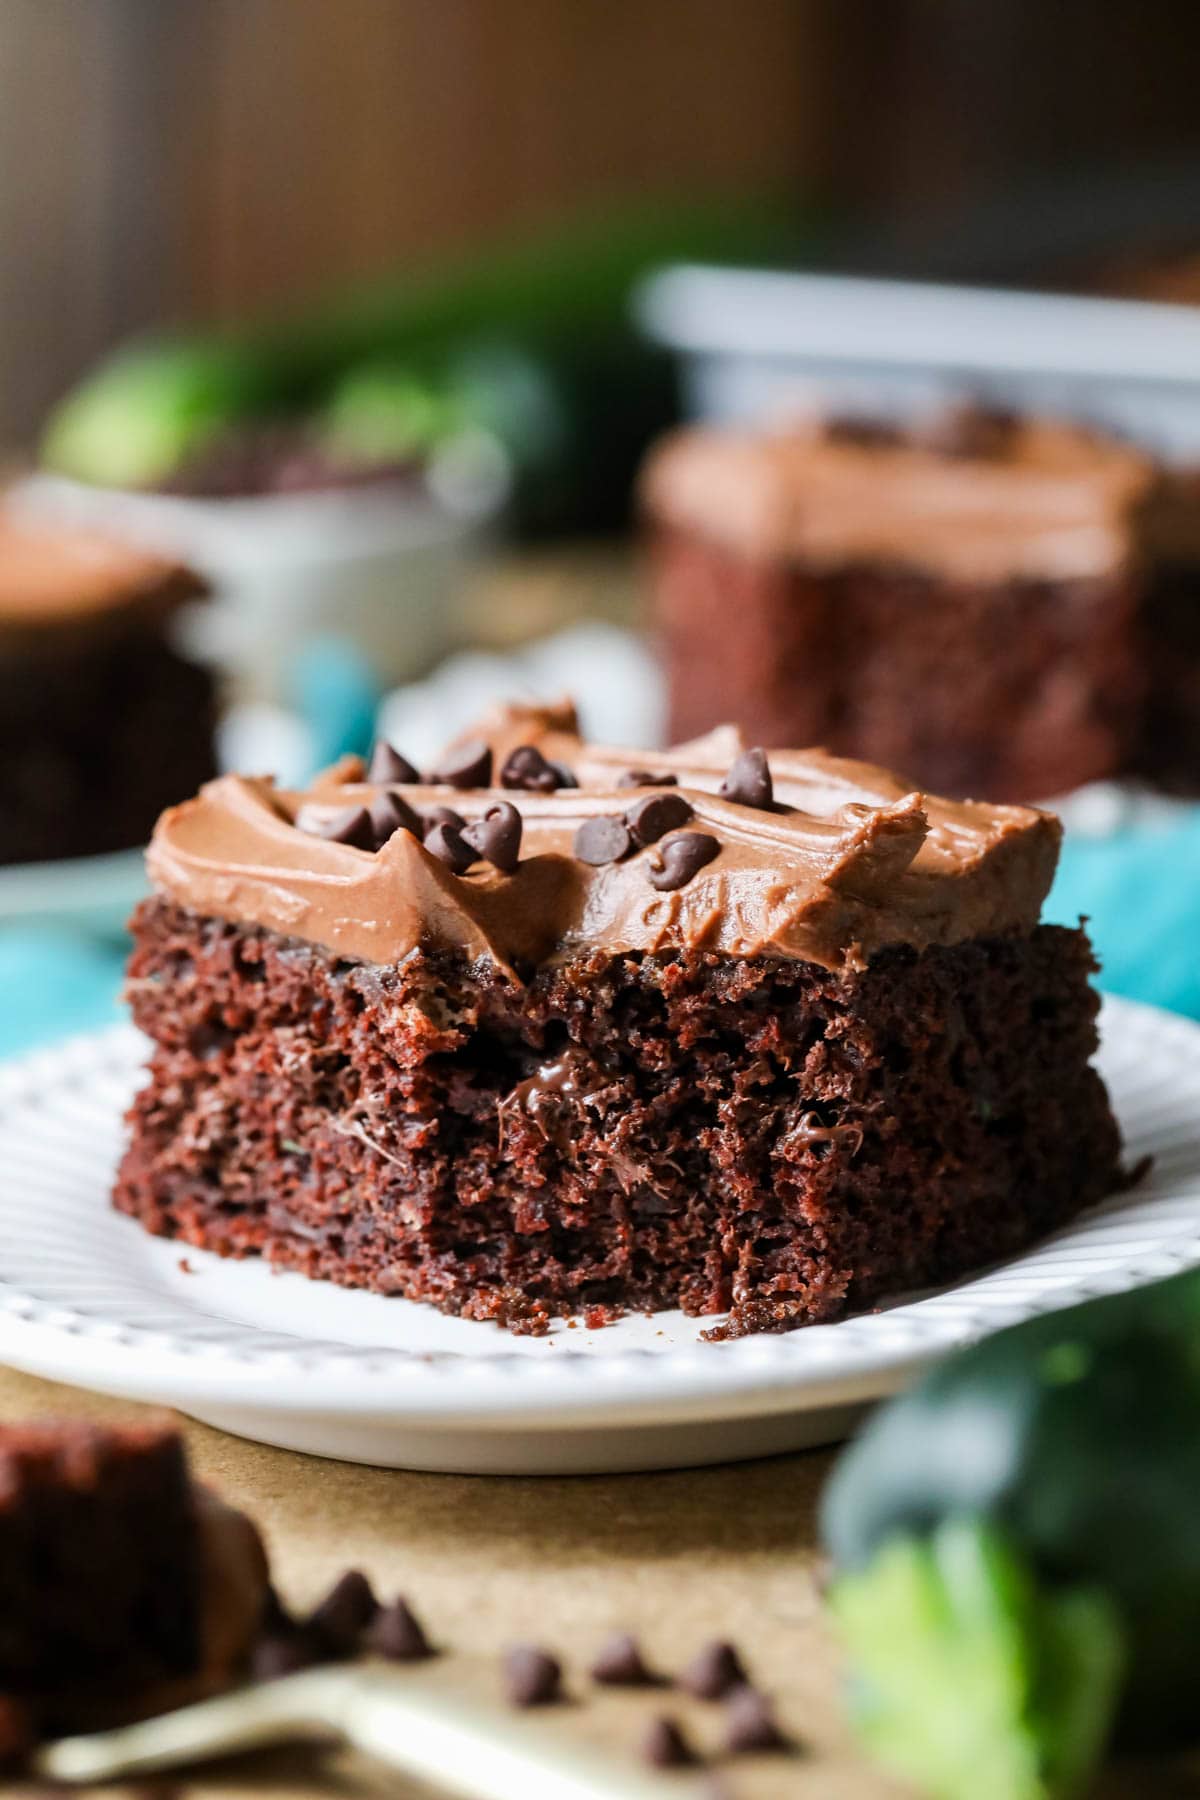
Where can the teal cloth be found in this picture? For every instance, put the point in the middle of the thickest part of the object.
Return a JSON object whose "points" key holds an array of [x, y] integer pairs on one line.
{"points": [[1139, 889]]}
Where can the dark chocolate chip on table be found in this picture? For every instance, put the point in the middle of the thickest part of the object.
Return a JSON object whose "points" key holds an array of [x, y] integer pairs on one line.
{"points": [[664, 1746], [651, 818], [602, 840], [398, 1635], [348, 825], [526, 768], [345, 1612], [470, 766], [448, 844], [646, 778], [620, 1663], [532, 1677], [750, 1723], [387, 765], [713, 1671], [748, 782], [390, 813], [681, 857], [497, 836]]}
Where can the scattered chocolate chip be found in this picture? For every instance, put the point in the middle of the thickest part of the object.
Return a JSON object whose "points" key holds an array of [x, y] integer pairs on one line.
{"points": [[390, 813], [344, 1614], [526, 767], [645, 778], [348, 825], [620, 1664], [497, 836], [713, 1671], [398, 1634], [748, 782], [387, 765], [532, 1676], [279, 1653], [681, 857], [664, 1746], [470, 766], [602, 840], [449, 845], [442, 815], [750, 1723], [653, 817]]}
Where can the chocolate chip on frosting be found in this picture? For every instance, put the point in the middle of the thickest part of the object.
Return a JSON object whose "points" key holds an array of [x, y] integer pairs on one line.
{"points": [[664, 1746], [526, 767], [450, 846], [442, 815], [348, 825], [602, 840], [651, 818], [390, 813], [532, 1676], [713, 1671], [646, 778], [681, 857], [387, 765], [398, 1634], [470, 766], [620, 1663], [497, 836], [748, 782], [345, 1613], [750, 1723]]}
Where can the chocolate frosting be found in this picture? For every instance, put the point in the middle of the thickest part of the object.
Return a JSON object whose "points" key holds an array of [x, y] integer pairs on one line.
{"points": [[847, 860], [1035, 501], [56, 577]]}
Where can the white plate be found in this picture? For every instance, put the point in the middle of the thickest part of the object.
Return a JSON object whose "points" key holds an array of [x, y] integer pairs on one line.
{"points": [[92, 893], [87, 1297]]}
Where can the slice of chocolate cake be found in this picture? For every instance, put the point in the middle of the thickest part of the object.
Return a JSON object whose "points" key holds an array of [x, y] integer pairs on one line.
{"points": [[102, 721], [569, 1028], [1003, 608], [125, 1587]]}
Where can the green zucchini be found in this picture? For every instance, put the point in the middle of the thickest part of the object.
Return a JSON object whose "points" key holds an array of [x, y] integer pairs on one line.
{"points": [[1016, 1551]]}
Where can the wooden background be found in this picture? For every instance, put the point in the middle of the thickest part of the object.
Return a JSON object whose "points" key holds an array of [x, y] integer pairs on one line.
{"points": [[183, 159]]}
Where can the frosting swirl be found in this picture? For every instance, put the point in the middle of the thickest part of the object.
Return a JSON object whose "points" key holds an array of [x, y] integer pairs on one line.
{"points": [[847, 860]]}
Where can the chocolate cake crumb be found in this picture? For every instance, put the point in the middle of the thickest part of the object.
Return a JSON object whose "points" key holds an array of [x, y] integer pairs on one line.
{"points": [[532, 1676], [388, 766], [664, 1746], [681, 857], [714, 1671], [750, 1723], [620, 1663], [398, 1635], [470, 766]]}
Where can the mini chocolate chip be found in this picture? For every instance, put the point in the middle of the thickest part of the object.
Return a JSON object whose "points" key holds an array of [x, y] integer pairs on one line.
{"points": [[653, 817], [441, 815], [664, 1746], [470, 766], [682, 856], [645, 778], [748, 782], [526, 767], [750, 1723], [620, 1664], [348, 825], [398, 1635], [497, 836], [532, 1676], [285, 1653], [713, 1671], [390, 813], [344, 1614], [602, 840], [449, 846], [387, 765]]}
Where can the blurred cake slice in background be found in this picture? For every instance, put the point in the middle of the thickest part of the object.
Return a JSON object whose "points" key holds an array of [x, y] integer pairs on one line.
{"points": [[102, 720]]}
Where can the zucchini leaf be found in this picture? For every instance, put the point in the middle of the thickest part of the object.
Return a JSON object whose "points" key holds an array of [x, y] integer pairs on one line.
{"points": [[971, 1678]]}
